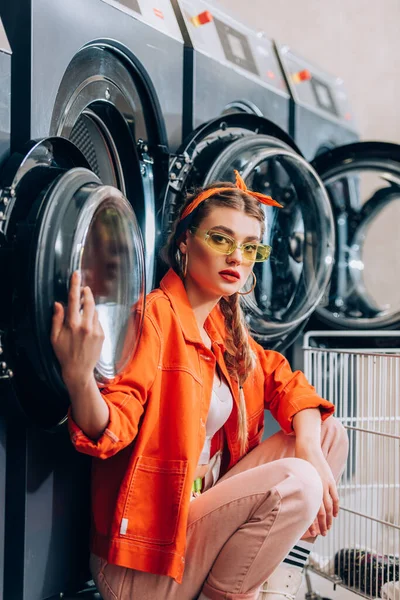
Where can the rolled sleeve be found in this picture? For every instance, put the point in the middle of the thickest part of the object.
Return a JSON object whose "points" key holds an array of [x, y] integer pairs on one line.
{"points": [[287, 392], [126, 397]]}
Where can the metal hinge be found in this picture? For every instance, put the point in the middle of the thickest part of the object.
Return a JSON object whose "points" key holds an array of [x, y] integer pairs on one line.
{"points": [[180, 165], [146, 160]]}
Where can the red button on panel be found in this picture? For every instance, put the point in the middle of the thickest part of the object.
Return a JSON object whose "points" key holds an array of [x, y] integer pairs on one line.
{"points": [[303, 75], [202, 19]]}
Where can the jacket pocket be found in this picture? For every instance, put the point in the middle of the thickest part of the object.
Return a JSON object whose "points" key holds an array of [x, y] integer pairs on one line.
{"points": [[255, 428], [154, 500]]}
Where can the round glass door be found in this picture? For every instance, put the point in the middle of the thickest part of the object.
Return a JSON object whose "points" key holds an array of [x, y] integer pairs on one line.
{"points": [[109, 110], [108, 251], [291, 283], [111, 263], [363, 183], [61, 219]]}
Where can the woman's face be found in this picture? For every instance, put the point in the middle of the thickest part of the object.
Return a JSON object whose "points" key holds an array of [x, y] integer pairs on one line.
{"points": [[214, 273]]}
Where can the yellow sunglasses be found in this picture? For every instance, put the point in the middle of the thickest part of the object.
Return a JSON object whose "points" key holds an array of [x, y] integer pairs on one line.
{"points": [[223, 243]]}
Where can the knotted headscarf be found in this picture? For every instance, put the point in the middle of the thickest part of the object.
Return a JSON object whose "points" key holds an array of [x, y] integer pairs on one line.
{"points": [[188, 214]]}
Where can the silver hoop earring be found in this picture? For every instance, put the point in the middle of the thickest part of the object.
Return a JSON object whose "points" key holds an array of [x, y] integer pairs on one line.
{"points": [[184, 261], [252, 287]]}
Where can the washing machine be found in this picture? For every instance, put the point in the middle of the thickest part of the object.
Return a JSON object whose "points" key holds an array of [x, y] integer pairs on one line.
{"points": [[234, 64], [361, 179], [93, 115], [321, 116], [236, 116], [363, 184], [99, 73]]}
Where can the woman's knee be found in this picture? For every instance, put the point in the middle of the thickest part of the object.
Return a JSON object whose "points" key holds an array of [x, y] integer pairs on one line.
{"points": [[308, 486], [334, 428]]}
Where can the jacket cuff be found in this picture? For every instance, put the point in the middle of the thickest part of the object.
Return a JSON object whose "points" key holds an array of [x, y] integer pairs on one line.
{"points": [[285, 417], [103, 447]]}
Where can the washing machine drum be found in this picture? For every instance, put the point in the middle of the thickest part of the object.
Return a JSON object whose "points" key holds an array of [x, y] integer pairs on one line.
{"points": [[291, 283], [363, 183], [58, 217]]}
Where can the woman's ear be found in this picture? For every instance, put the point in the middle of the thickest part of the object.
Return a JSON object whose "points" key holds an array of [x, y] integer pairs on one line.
{"points": [[183, 244]]}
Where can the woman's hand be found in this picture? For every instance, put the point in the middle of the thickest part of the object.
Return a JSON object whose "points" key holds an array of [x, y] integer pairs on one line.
{"points": [[77, 336], [312, 453]]}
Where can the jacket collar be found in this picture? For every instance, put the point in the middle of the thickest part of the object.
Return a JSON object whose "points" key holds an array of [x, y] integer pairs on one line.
{"points": [[173, 287]]}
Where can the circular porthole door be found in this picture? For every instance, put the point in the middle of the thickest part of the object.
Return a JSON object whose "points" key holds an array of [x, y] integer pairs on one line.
{"points": [[291, 283], [58, 217], [363, 184], [107, 106]]}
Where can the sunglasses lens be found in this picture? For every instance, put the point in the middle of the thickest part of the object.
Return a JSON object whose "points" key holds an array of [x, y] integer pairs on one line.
{"points": [[220, 242], [262, 253], [226, 245], [249, 252], [256, 252]]}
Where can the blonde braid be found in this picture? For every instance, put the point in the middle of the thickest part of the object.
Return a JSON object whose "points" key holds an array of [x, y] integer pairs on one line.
{"points": [[239, 357]]}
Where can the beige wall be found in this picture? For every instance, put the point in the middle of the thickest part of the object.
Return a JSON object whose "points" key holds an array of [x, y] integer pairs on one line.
{"points": [[354, 39]]}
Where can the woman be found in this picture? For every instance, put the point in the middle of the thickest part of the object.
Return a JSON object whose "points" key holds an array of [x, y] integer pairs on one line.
{"points": [[187, 502]]}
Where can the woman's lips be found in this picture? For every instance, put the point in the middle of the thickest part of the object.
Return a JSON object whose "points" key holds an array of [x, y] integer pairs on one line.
{"points": [[230, 276]]}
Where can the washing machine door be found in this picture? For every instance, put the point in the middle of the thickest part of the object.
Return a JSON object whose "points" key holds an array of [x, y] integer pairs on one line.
{"points": [[289, 285], [107, 106], [363, 184], [57, 217]]}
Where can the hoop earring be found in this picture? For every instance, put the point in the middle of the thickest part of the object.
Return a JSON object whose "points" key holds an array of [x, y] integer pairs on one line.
{"points": [[252, 287], [184, 261]]}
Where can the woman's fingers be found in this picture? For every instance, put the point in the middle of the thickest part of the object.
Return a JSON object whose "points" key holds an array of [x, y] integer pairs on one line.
{"points": [[322, 519], [88, 310], [314, 530], [328, 504], [328, 510], [74, 300], [335, 499], [57, 321]]}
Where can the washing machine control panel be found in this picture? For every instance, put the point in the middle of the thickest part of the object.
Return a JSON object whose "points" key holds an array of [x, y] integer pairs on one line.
{"points": [[215, 33], [316, 89], [157, 13]]}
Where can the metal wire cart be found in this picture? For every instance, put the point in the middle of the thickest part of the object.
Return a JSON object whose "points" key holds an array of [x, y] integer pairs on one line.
{"points": [[361, 552]]}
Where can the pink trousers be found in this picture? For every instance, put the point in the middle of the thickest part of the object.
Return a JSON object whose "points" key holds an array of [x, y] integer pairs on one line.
{"points": [[240, 529]]}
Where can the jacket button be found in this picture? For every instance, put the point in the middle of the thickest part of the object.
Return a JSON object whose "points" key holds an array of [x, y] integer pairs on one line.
{"points": [[205, 357], [202, 423]]}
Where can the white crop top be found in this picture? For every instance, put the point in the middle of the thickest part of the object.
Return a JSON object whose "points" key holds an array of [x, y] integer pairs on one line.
{"points": [[220, 408]]}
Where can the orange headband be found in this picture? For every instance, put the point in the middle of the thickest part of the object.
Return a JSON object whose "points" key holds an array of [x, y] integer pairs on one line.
{"points": [[240, 184]]}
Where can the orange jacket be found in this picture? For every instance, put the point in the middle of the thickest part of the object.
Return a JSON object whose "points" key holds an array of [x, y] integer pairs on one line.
{"points": [[158, 410]]}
